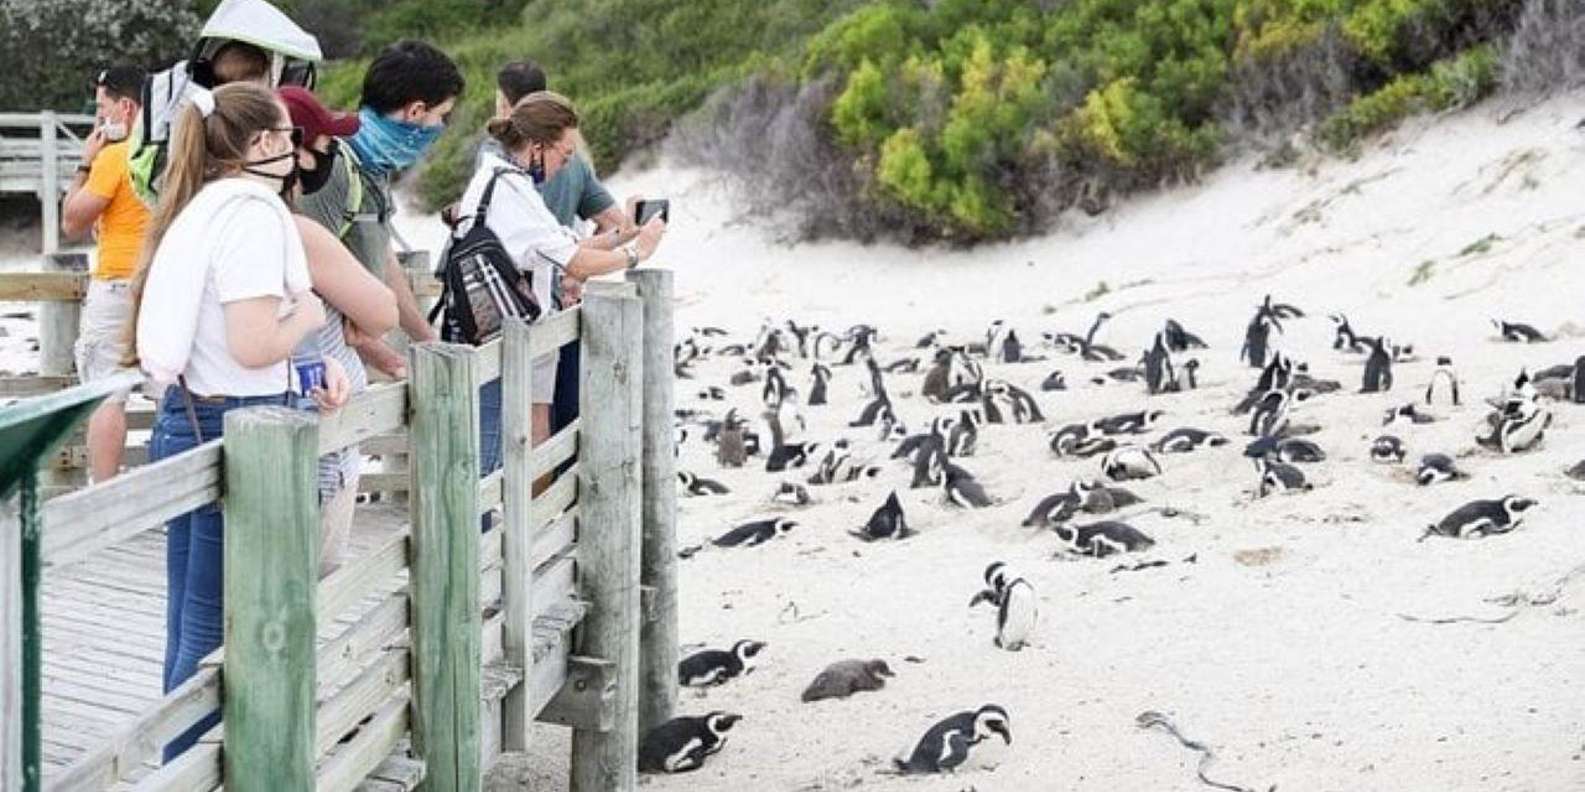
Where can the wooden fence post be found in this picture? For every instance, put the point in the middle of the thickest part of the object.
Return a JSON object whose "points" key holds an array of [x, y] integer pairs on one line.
{"points": [[444, 576], [609, 486], [58, 320], [49, 182], [11, 704], [658, 638], [517, 541], [272, 574]]}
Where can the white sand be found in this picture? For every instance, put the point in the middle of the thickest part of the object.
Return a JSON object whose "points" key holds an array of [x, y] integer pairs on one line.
{"points": [[1298, 672]]}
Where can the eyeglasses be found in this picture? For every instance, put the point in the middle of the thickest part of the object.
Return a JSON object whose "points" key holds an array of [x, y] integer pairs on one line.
{"points": [[297, 134]]}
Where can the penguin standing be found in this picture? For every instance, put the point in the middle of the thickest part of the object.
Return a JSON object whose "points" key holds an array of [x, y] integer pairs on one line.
{"points": [[1270, 416], [1378, 367], [963, 436], [962, 489], [817, 391], [682, 744], [1257, 338], [929, 463], [888, 522], [1017, 609], [1579, 380], [846, 677], [1130, 463], [1158, 367], [1346, 339], [1482, 518], [1102, 539], [1435, 468], [1181, 340], [946, 745], [754, 533], [1444, 372], [716, 666], [696, 486]]}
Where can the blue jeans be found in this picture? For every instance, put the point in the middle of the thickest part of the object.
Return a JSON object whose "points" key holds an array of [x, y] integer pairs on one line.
{"points": [[194, 553], [489, 435]]}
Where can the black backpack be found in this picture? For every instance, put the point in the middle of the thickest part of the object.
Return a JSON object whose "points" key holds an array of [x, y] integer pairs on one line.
{"points": [[481, 286]]}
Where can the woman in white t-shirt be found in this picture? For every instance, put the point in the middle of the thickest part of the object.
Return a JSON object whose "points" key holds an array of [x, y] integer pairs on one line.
{"points": [[538, 138], [220, 299]]}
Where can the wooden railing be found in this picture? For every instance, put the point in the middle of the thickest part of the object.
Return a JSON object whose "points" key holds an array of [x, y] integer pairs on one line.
{"points": [[41, 161], [419, 659]]}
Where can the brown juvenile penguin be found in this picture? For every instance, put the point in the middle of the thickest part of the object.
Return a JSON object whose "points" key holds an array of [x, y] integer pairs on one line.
{"points": [[846, 677]]}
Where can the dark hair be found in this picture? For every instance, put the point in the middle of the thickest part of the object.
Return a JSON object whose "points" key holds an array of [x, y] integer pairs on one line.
{"points": [[239, 61], [122, 82], [537, 118], [410, 71], [519, 79]]}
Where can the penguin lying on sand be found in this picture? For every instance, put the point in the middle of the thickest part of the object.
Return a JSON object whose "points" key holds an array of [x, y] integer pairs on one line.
{"points": [[1436, 468], [1130, 463], [1482, 518], [946, 745], [681, 744], [1291, 449], [846, 677], [696, 486], [1098, 498], [754, 533], [962, 489], [1102, 539], [1129, 423], [1186, 439], [1518, 332], [1407, 412], [887, 522], [1387, 450], [792, 493], [1017, 609], [717, 666], [1054, 382], [1279, 477], [1055, 508]]}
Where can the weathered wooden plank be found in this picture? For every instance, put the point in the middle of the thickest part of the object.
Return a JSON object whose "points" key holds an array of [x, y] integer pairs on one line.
{"points": [[517, 608], [375, 741], [444, 577], [384, 482], [658, 557], [347, 585], [143, 738], [11, 764], [342, 712], [490, 640], [550, 454], [43, 286], [556, 499], [488, 364], [272, 572], [490, 491], [395, 774], [552, 650], [377, 411], [197, 770], [80, 523], [611, 403], [489, 587], [558, 330], [22, 387], [58, 320], [554, 538], [587, 698], [378, 629]]}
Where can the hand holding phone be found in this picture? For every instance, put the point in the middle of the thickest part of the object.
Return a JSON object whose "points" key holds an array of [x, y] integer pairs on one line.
{"points": [[646, 210]]}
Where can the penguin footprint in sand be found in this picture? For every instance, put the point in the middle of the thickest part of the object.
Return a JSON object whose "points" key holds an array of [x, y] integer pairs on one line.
{"points": [[946, 745], [682, 744], [716, 666], [1017, 608], [846, 677]]}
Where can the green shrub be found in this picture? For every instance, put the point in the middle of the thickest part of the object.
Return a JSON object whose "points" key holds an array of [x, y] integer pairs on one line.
{"points": [[1447, 85]]}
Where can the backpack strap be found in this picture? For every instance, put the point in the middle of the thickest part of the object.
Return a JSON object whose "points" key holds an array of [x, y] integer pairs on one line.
{"points": [[489, 193]]}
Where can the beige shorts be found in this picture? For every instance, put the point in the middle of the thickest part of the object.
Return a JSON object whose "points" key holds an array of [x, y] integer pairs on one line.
{"points": [[102, 332]]}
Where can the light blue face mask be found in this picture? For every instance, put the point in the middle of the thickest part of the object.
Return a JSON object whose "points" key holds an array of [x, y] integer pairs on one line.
{"points": [[385, 145]]}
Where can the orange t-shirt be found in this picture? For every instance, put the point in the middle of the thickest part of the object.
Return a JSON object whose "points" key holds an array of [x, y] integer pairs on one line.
{"points": [[124, 222]]}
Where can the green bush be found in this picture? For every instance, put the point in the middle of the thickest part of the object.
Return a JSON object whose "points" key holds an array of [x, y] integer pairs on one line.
{"points": [[1449, 84]]}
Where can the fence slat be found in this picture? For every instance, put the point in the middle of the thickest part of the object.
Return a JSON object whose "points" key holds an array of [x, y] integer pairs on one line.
{"points": [[555, 332], [143, 738], [84, 522], [611, 402], [444, 577], [517, 496], [272, 574], [379, 410], [367, 751], [558, 449]]}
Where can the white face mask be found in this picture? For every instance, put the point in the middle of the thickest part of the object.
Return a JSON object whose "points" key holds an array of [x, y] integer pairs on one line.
{"points": [[115, 131]]}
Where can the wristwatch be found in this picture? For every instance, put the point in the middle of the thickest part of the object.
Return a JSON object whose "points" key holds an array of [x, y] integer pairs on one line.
{"points": [[632, 255]]}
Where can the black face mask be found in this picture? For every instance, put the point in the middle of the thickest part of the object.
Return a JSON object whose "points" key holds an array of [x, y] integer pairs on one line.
{"points": [[314, 180], [288, 180]]}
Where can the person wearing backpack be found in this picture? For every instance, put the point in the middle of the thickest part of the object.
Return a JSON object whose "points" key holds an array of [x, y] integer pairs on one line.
{"points": [[221, 297], [536, 140]]}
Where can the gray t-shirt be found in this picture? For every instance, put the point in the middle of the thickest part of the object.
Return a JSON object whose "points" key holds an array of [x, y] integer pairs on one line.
{"points": [[365, 229]]}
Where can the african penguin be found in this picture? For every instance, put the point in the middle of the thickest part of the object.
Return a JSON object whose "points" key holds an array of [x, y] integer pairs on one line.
{"points": [[962, 489], [817, 391], [1129, 423], [1519, 427], [1518, 332], [946, 745], [1346, 339], [1387, 449], [696, 486], [754, 533], [1017, 610], [1407, 412], [1436, 468], [887, 522], [1054, 382], [1257, 338], [681, 744], [1098, 498], [1444, 371], [963, 436], [1270, 416], [929, 464], [1482, 518], [1291, 449], [1064, 439], [1186, 439], [1130, 463], [1181, 340], [1158, 367], [846, 677], [1279, 477], [792, 493], [1102, 539], [1378, 367], [1054, 509], [716, 666]]}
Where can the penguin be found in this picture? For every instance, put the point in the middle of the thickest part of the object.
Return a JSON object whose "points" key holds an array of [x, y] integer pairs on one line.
{"points": [[758, 532], [1130, 463], [1099, 540], [1518, 332], [1436, 468], [731, 449], [775, 390], [962, 489], [1407, 412], [994, 335], [1257, 338], [1089, 337], [872, 412], [1270, 416], [792, 493], [1444, 371], [681, 744], [963, 436], [801, 336], [1129, 423], [826, 345], [860, 337], [1346, 339], [929, 339], [769, 345], [1281, 310], [1186, 439], [1387, 449], [904, 366], [713, 393], [846, 677], [911, 446], [888, 522], [930, 464], [716, 666], [784, 455], [1098, 498], [1185, 378], [1094, 446], [1291, 449], [1181, 340], [938, 377], [1579, 380], [1482, 518], [1279, 477], [696, 486], [1378, 367], [1056, 508], [817, 391], [1054, 382], [1158, 367], [1004, 402], [1099, 353], [1017, 608], [1519, 427], [946, 745]]}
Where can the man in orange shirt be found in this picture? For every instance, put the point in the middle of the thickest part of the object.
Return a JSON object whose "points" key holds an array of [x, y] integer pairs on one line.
{"points": [[101, 198]]}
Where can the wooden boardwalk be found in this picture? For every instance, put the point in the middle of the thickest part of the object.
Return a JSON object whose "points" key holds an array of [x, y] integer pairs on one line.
{"points": [[104, 635]]}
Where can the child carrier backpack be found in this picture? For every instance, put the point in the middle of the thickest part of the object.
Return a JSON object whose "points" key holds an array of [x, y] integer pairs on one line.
{"points": [[480, 285]]}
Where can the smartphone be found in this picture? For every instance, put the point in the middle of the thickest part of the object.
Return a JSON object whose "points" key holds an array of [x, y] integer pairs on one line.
{"points": [[648, 210]]}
